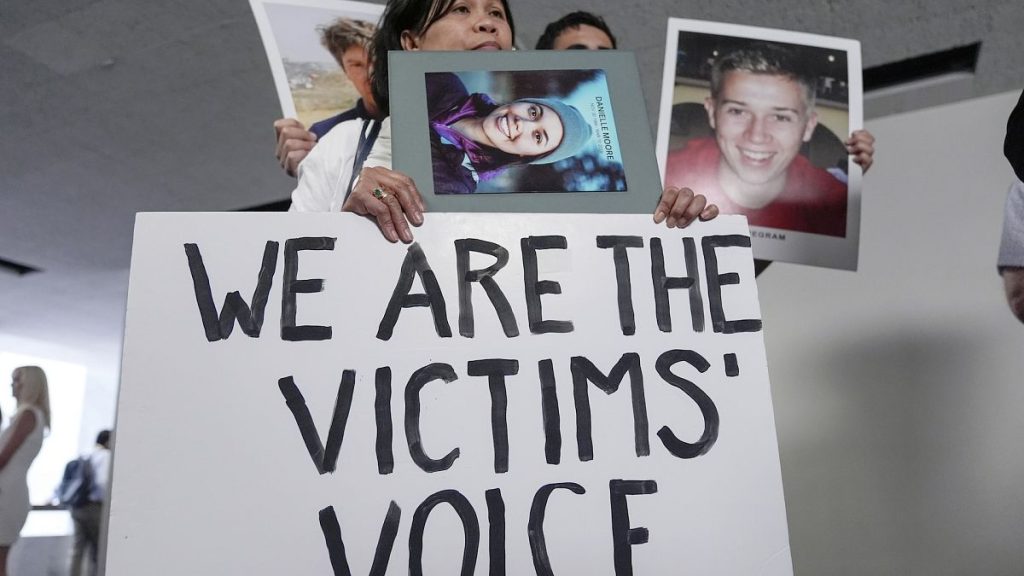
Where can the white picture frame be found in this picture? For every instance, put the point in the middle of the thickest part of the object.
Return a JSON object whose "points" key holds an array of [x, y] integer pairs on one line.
{"points": [[692, 47]]}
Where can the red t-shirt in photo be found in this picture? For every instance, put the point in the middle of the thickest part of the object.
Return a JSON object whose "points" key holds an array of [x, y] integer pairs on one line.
{"points": [[813, 201]]}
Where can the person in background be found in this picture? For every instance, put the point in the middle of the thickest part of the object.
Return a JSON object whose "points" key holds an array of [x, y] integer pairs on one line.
{"points": [[577, 31], [347, 40], [88, 516], [19, 444], [1013, 145], [1011, 248]]}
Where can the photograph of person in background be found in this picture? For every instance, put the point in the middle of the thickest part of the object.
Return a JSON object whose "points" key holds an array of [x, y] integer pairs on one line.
{"points": [[318, 55], [555, 132], [764, 140], [347, 39]]}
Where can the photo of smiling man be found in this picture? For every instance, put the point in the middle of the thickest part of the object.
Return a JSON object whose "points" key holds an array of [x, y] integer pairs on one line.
{"points": [[522, 131], [757, 145]]}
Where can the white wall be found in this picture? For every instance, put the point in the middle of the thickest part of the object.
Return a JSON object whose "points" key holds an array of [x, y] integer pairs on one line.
{"points": [[898, 389]]}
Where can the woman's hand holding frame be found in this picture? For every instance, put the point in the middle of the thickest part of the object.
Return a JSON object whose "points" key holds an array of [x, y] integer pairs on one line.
{"points": [[399, 205]]}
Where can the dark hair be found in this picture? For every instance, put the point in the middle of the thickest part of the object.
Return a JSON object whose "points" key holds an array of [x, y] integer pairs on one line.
{"points": [[103, 438], [343, 34], [399, 16], [767, 59], [573, 20]]}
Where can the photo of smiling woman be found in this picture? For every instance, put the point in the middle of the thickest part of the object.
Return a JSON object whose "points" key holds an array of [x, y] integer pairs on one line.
{"points": [[523, 131]]}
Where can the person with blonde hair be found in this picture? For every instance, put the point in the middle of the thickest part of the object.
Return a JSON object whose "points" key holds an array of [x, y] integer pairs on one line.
{"points": [[19, 444]]}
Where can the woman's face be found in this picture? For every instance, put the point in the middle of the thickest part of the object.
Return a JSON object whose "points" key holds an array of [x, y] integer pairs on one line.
{"points": [[16, 385], [523, 128], [467, 25]]}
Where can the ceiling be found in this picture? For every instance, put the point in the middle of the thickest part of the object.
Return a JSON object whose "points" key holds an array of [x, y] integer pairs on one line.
{"points": [[111, 107]]}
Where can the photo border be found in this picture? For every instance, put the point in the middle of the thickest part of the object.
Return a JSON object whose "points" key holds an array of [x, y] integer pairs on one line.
{"points": [[411, 140], [778, 243]]}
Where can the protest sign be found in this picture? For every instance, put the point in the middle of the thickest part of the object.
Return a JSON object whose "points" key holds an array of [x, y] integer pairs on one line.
{"points": [[512, 394]]}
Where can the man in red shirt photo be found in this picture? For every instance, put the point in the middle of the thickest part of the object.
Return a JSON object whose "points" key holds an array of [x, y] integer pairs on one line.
{"points": [[762, 110]]}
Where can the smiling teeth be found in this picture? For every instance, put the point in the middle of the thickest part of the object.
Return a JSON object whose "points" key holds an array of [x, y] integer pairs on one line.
{"points": [[757, 155], [503, 126]]}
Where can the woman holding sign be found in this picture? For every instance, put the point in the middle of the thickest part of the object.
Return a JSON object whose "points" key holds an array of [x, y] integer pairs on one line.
{"points": [[19, 444], [391, 198]]}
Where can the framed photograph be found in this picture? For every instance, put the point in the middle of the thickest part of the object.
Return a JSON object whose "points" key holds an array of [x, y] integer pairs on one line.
{"points": [[299, 36], [523, 132], [756, 119]]}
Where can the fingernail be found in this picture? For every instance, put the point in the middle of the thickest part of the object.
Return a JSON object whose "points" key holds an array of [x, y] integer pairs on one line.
{"points": [[417, 218], [671, 222], [659, 216]]}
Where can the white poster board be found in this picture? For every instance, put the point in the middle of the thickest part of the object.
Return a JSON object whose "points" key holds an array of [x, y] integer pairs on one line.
{"points": [[496, 453]]}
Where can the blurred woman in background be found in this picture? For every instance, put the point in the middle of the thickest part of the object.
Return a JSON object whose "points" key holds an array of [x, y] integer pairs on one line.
{"points": [[19, 444]]}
